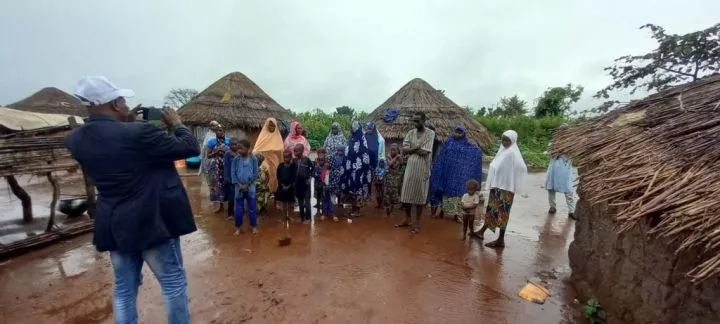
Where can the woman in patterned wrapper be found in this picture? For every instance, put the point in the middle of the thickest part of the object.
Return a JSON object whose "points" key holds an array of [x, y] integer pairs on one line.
{"points": [[506, 178], [358, 171]]}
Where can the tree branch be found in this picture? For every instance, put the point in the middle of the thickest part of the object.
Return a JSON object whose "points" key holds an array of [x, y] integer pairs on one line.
{"points": [[675, 71]]}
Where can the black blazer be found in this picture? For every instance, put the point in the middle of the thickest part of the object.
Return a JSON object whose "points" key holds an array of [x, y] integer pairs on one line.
{"points": [[141, 199]]}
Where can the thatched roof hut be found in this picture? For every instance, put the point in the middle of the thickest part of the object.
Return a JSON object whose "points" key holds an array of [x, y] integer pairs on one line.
{"points": [[51, 101], [658, 158], [419, 96], [234, 101]]}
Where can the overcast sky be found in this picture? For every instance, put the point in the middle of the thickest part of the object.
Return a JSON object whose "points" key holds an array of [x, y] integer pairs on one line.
{"points": [[323, 54]]}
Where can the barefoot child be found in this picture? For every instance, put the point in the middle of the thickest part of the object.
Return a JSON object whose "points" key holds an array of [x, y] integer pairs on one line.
{"points": [[262, 189], [335, 181], [322, 183], [319, 184], [304, 169], [393, 179], [286, 174], [470, 201], [378, 182], [244, 176], [229, 186], [318, 190]]}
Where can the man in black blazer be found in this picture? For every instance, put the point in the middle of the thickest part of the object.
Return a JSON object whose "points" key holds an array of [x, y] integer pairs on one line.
{"points": [[142, 206]]}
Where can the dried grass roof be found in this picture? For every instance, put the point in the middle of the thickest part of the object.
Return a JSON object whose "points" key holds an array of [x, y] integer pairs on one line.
{"points": [[658, 159], [51, 101], [419, 96], [234, 101]]}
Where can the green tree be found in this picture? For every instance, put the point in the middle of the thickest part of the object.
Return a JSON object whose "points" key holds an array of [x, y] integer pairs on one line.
{"points": [[178, 97], [512, 106], [483, 111], [557, 101], [676, 60], [345, 111], [469, 110]]}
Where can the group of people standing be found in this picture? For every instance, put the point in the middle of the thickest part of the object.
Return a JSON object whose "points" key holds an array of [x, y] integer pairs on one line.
{"points": [[143, 208], [352, 170]]}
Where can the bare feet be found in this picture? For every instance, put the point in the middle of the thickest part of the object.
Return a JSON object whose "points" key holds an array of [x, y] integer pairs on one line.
{"points": [[335, 219], [496, 244], [255, 230]]}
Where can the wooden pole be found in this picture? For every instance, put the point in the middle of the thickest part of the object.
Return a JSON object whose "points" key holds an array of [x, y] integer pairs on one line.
{"points": [[23, 196], [89, 185], [53, 203]]}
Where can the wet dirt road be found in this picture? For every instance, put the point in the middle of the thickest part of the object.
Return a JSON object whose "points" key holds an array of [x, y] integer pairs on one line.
{"points": [[364, 272]]}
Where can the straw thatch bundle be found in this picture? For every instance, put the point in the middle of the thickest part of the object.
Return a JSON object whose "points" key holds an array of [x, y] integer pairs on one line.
{"points": [[419, 96], [29, 152], [658, 159], [51, 101], [234, 101]]}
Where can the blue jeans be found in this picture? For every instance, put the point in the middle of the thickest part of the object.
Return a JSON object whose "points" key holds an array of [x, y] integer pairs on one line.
{"points": [[165, 261], [230, 197], [240, 199]]}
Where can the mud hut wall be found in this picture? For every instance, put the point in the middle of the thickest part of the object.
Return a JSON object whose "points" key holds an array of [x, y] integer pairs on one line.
{"points": [[638, 279]]}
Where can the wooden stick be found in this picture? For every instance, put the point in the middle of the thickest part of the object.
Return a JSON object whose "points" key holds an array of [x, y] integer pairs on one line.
{"points": [[24, 197], [53, 203]]}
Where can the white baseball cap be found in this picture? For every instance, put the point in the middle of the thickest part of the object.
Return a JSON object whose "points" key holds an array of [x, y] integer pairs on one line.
{"points": [[98, 90]]}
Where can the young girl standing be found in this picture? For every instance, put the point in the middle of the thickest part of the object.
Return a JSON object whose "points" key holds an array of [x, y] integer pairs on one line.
{"points": [[335, 181], [470, 201], [378, 182], [286, 174], [319, 183], [393, 179], [262, 188]]}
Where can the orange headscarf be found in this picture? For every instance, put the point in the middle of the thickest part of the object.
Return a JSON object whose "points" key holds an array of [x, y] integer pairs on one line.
{"points": [[270, 145]]}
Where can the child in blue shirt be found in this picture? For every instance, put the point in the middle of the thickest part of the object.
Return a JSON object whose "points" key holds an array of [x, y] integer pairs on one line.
{"points": [[228, 159], [244, 177]]}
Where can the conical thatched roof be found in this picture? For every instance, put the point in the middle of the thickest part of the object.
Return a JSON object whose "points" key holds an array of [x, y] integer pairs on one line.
{"points": [[234, 101], [51, 101], [419, 96]]}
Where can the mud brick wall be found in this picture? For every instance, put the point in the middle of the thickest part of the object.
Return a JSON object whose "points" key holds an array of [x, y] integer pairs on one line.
{"points": [[636, 278]]}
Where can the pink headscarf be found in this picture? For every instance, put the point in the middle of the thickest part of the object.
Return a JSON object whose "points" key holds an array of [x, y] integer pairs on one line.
{"points": [[295, 138]]}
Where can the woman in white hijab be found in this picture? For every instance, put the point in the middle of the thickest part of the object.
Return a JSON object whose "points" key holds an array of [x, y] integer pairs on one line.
{"points": [[506, 178]]}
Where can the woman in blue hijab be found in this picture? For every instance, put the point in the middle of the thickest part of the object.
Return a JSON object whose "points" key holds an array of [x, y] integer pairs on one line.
{"points": [[375, 143], [457, 163]]}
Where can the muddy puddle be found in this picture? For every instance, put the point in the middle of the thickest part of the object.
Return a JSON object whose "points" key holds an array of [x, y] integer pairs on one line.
{"points": [[364, 272]]}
